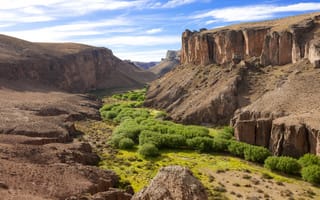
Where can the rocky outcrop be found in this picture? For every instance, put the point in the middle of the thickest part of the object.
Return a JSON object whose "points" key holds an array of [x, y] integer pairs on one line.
{"points": [[70, 67], [262, 76], [171, 183], [171, 60], [273, 45]]}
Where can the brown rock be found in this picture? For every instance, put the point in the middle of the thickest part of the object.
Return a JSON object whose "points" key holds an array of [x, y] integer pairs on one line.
{"points": [[171, 183]]}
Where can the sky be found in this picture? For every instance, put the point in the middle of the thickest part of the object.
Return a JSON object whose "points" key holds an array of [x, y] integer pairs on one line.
{"points": [[137, 30]]}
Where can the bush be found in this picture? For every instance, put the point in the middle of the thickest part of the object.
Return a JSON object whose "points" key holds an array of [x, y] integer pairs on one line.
{"points": [[311, 174], [173, 141], [149, 150], [226, 133], [129, 128], [126, 143], [256, 154], [309, 159], [147, 136], [202, 144], [237, 148], [284, 164], [115, 140], [220, 145]]}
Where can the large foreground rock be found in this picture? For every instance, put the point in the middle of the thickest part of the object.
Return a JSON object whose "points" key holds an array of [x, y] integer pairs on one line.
{"points": [[173, 183]]}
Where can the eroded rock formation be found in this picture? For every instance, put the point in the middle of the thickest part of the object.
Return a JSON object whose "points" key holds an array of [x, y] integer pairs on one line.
{"points": [[171, 183], [171, 60], [273, 44], [261, 76]]}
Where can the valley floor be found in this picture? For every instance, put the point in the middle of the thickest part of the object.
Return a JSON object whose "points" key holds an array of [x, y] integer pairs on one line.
{"points": [[224, 176]]}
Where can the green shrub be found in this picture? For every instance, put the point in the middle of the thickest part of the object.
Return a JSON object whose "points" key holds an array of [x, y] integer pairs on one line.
{"points": [[311, 173], [202, 144], [173, 141], [256, 154], [130, 129], [147, 136], [284, 164], [271, 162], [115, 140], [309, 159], [126, 143], [237, 148], [226, 133], [149, 150], [220, 145]]}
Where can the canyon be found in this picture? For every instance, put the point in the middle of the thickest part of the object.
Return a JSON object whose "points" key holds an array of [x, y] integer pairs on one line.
{"points": [[259, 77]]}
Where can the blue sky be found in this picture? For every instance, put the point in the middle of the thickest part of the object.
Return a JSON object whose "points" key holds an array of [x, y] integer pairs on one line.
{"points": [[139, 30]]}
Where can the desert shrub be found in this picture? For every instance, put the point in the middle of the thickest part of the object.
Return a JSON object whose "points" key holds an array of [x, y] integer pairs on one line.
{"points": [[173, 141], [225, 133], [220, 145], [256, 154], [149, 150], [311, 173], [130, 129], [147, 136], [202, 144], [237, 148], [160, 115], [126, 143], [110, 115], [115, 140], [309, 159], [271, 162], [284, 164], [137, 95]]}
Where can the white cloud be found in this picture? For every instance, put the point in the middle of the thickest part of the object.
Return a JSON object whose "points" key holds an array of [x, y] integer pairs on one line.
{"points": [[140, 40], [145, 56], [154, 30], [255, 12], [176, 3], [62, 33], [21, 11]]}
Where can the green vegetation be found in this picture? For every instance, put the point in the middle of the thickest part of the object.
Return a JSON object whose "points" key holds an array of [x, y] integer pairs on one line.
{"points": [[309, 159], [149, 150], [283, 164], [146, 142], [311, 174]]}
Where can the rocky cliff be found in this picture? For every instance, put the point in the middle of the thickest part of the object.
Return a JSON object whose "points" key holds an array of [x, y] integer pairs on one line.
{"points": [[275, 43], [68, 66], [171, 60], [260, 76]]}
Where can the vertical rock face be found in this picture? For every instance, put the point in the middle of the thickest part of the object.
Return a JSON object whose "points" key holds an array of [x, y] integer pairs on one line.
{"points": [[171, 183], [272, 46]]}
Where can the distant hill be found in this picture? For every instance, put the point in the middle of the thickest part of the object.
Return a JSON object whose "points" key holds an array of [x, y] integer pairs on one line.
{"points": [[66, 66], [171, 60], [145, 65]]}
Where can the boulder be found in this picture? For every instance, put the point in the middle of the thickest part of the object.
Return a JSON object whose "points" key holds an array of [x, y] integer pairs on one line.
{"points": [[171, 183]]}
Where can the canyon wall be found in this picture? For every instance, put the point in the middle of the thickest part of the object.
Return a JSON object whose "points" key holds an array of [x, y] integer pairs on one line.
{"points": [[70, 67], [262, 77], [272, 46]]}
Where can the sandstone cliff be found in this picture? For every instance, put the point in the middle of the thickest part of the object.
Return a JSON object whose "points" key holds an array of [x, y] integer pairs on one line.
{"points": [[68, 66], [260, 76]]}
